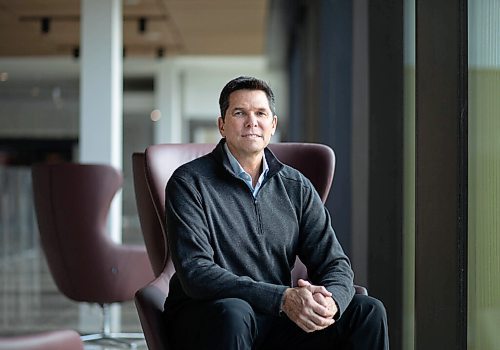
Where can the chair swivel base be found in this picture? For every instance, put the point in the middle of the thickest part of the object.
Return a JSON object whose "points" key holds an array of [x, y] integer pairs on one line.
{"points": [[121, 339]]}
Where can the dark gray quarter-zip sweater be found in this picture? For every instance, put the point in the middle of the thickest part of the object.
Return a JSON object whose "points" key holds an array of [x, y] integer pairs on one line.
{"points": [[226, 243]]}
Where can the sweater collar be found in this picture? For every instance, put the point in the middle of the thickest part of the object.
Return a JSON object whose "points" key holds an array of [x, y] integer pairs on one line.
{"points": [[220, 155]]}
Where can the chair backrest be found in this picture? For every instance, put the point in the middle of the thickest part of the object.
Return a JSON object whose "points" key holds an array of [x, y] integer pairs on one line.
{"points": [[150, 224], [72, 202], [315, 161]]}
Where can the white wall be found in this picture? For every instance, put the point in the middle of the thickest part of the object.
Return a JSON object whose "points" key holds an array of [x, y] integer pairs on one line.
{"points": [[194, 85], [40, 98]]}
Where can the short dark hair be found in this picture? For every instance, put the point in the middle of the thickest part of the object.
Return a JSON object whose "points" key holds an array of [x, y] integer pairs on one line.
{"points": [[244, 83]]}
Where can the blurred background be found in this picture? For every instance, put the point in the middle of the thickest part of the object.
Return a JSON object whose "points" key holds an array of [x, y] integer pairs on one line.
{"points": [[405, 92]]}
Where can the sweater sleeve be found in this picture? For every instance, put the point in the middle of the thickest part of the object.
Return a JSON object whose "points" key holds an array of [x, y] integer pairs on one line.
{"points": [[322, 253], [189, 242]]}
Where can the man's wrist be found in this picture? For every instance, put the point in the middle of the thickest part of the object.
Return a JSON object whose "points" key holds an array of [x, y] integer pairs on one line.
{"points": [[282, 304]]}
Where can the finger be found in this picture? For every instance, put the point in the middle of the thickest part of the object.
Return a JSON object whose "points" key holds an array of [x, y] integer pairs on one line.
{"points": [[314, 289], [303, 283], [320, 299], [321, 310], [307, 325], [315, 322], [328, 303], [315, 311], [309, 321], [320, 289]]}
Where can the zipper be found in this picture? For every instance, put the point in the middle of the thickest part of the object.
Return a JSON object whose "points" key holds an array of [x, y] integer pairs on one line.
{"points": [[258, 216]]}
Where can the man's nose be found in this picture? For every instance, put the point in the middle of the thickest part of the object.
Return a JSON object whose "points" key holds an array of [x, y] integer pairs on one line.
{"points": [[251, 119]]}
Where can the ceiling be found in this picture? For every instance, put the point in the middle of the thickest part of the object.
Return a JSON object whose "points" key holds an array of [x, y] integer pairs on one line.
{"points": [[169, 27]]}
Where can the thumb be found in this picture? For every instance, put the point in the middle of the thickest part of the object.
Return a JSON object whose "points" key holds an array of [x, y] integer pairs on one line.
{"points": [[303, 283]]}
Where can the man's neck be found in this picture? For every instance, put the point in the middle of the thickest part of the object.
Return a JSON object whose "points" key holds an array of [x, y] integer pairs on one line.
{"points": [[252, 163], [254, 169]]}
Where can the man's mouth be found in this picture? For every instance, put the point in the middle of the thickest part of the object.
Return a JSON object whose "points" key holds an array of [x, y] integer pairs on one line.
{"points": [[252, 136]]}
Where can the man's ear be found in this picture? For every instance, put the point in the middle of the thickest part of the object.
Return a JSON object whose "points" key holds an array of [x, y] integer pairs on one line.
{"points": [[220, 124], [275, 124]]}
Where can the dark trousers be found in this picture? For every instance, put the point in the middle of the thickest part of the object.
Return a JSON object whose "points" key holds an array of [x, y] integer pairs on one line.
{"points": [[233, 324]]}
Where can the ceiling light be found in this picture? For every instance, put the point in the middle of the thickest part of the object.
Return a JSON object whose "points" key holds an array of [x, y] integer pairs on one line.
{"points": [[45, 25], [142, 25], [76, 52], [155, 115]]}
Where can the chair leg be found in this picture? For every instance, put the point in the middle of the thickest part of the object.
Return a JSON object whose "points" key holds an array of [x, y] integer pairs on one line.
{"points": [[119, 338]]}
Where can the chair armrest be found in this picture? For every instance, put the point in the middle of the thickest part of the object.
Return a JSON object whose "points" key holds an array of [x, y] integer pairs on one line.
{"points": [[360, 290], [149, 302]]}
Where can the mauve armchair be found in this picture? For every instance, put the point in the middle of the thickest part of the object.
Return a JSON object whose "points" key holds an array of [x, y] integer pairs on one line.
{"points": [[72, 202], [152, 170], [51, 340]]}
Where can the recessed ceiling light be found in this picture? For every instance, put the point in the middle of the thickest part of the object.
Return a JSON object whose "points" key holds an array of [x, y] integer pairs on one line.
{"points": [[155, 115]]}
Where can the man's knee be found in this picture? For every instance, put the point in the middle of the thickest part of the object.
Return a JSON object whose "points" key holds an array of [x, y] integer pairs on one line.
{"points": [[363, 324], [368, 308], [234, 314]]}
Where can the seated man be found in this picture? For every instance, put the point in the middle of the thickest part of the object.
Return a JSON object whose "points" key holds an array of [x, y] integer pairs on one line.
{"points": [[236, 219]]}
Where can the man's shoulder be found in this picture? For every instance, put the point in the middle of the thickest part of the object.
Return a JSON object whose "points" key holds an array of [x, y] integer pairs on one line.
{"points": [[289, 173], [202, 166], [293, 180]]}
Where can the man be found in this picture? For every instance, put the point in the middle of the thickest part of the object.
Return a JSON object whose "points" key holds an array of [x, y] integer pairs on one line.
{"points": [[236, 219]]}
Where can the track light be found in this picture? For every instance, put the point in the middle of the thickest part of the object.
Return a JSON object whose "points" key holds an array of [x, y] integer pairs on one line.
{"points": [[45, 25], [76, 52], [142, 25]]}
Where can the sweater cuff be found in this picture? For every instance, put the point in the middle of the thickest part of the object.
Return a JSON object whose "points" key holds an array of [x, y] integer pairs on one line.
{"points": [[281, 312], [342, 298], [279, 300]]}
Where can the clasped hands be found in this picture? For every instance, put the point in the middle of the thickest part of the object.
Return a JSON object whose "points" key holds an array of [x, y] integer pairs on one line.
{"points": [[311, 307]]}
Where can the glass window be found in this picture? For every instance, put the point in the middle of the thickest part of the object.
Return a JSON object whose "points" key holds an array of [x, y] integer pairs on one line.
{"points": [[409, 177], [484, 175]]}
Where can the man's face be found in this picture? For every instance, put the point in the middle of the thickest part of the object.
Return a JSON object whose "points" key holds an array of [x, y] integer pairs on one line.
{"points": [[249, 123]]}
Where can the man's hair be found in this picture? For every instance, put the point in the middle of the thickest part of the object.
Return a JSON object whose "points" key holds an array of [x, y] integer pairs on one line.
{"points": [[244, 83]]}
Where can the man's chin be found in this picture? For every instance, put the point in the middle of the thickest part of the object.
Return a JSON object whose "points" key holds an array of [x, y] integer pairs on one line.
{"points": [[254, 142], [255, 148]]}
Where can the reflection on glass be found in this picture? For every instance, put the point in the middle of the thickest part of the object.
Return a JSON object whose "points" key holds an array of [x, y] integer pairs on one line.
{"points": [[484, 175], [409, 177]]}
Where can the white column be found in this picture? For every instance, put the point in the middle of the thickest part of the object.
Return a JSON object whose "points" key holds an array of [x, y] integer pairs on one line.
{"points": [[169, 128], [101, 91], [101, 103]]}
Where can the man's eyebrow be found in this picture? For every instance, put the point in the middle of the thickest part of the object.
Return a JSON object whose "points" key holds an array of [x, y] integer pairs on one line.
{"points": [[240, 108], [237, 108]]}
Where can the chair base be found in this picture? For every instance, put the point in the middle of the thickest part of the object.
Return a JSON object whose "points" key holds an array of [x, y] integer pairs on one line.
{"points": [[125, 340]]}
